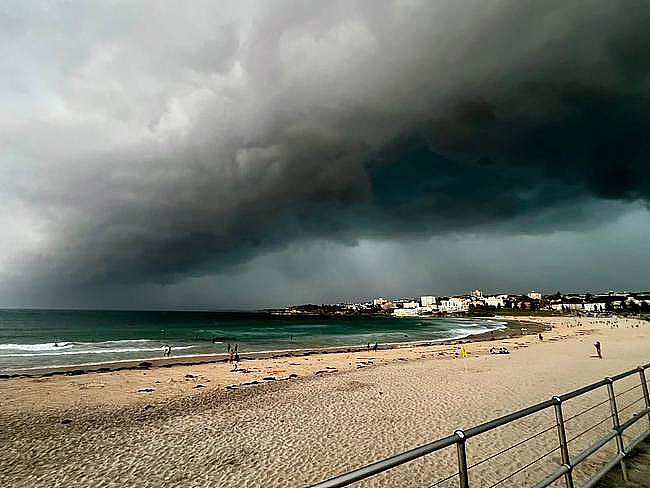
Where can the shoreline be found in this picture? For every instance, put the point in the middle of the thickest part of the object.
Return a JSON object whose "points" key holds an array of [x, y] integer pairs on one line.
{"points": [[512, 326], [321, 414]]}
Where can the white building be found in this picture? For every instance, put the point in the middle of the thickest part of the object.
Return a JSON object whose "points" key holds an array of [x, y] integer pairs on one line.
{"points": [[429, 309], [477, 294], [405, 312], [378, 301], [595, 307], [535, 295], [640, 300], [428, 300], [566, 306], [496, 301], [454, 305], [410, 305]]}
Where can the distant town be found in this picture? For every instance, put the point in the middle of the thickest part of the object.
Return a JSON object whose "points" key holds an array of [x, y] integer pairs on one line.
{"points": [[478, 303]]}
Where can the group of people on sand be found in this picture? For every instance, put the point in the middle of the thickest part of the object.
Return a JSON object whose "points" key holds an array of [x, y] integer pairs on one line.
{"points": [[233, 356], [374, 348]]}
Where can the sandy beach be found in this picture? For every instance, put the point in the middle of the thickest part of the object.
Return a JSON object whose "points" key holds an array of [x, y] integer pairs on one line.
{"points": [[292, 421]]}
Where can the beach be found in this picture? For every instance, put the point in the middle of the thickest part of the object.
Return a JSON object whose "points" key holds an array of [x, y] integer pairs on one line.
{"points": [[49, 340], [296, 420]]}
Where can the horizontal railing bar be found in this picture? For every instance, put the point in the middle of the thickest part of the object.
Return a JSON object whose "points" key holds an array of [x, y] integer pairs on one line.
{"points": [[597, 477], [630, 404], [493, 424], [584, 389], [555, 475], [442, 480], [391, 462], [577, 436], [593, 448], [525, 466], [606, 400], [633, 419], [630, 447], [502, 451], [624, 374], [621, 393]]}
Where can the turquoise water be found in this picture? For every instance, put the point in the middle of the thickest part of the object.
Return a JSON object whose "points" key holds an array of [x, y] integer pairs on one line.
{"points": [[41, 338]]}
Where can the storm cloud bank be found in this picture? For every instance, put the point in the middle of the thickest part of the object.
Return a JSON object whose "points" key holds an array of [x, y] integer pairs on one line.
{"points": [[149, 142]]}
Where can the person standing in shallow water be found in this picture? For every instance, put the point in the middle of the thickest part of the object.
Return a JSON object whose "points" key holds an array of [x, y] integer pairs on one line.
{"points": [[597, 346]]}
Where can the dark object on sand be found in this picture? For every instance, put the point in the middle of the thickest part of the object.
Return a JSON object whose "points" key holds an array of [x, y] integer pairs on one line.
{"points": [[75, 372], [499, 350]]}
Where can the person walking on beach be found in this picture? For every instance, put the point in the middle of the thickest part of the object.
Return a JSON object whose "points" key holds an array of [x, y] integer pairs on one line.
{"points": [[235, 362], [597, 346], [374, 348]]}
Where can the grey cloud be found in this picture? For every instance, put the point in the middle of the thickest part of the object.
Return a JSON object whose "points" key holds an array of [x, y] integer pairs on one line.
{"points": [[611, 256], [164, 142]]}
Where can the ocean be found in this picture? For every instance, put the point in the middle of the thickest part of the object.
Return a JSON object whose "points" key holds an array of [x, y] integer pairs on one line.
{"points": [[48, 338]]}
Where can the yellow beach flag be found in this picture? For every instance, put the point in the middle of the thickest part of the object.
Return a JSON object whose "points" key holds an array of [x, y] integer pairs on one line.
{"points": [[463, 351]]}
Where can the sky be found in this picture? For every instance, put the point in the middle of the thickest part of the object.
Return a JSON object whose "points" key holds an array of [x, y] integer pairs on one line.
{"points": [[249, 154]]}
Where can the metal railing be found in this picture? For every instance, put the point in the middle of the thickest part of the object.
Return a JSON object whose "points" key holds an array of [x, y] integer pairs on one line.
{"points": [[568, 463]]}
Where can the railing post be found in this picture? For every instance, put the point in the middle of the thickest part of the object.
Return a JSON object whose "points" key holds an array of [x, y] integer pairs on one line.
{"points": [[644, 387], [462, 460], [564, 445], [617, 425]]}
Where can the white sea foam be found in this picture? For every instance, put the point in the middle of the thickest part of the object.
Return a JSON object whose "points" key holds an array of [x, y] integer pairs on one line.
{"points": [[46, 346], [56, 352], [460, 332], [36, 347], [65, 348]]}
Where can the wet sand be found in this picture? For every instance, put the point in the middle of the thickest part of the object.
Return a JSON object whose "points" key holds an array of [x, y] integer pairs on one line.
{"points": [[320, 415]]}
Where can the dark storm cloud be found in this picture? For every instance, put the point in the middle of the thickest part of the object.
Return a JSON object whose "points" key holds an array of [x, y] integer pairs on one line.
{"points": [[152, 145]]}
